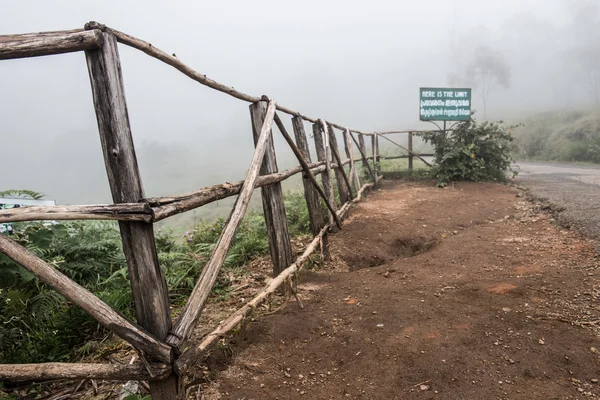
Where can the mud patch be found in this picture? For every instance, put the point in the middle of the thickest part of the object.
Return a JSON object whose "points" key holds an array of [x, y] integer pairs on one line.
{"points": [[528, 269], [361, 261], [410, 246], [501, 288]]}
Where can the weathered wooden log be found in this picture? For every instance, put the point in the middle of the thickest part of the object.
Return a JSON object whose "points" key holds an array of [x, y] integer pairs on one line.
{"points": [[148, 284], [311, 192], [280, 245], [409, 151], [164, 207], [193, 308], [173, 61], [323, 155], [194, 353], [48, 43], [409, 131], [350, 154], [52, 371], [343, 183], [362, 149], [363, 154], [403, 156], [152, 209], [374, 151], [305, 166], [121, 212], [83, 298]]}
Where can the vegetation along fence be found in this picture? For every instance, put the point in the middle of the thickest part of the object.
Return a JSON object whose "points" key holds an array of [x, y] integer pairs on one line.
{"points": [[163, 345]]}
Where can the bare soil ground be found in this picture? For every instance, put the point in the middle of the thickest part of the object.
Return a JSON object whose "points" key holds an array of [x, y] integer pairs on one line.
{"points": [[468, 292]]}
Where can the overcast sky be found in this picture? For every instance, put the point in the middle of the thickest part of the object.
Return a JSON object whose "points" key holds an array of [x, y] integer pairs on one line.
{"points": [[356, 63]]}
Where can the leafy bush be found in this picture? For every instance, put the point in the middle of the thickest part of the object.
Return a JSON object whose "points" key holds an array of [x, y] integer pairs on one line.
{"points": [[471, 152], [297, 214]]}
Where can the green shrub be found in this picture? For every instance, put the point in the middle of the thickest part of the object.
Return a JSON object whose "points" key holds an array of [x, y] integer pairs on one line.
{"points": [[36, 323], [297, 213], [39, 325], [471, 152]]}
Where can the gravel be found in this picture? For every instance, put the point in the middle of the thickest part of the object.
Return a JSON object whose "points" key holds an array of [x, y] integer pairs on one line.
{"points": [[572, 189]]}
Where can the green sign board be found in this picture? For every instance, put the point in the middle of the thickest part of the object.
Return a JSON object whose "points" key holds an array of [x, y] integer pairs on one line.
{"points": [[445, 104]]}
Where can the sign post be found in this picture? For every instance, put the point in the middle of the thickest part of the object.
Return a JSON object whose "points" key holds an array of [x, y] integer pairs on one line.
{"points": [[445, 104]]}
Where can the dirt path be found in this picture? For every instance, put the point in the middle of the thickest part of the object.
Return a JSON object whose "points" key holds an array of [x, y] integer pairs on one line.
{"points": [[461, 293]]}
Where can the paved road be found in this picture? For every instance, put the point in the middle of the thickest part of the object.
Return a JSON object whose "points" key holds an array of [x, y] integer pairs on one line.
{"points": [[575, 188]]}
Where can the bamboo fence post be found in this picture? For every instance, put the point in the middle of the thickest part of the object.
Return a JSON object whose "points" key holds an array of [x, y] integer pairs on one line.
{"points": [[272, 197], [343, 184], [350, 153], [410, 151], [148, 284], [321, 146], [193, 308], [315, 212]]}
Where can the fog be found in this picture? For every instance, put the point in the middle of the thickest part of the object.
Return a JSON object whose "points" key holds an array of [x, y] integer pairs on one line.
{"points": [[358, 64]]}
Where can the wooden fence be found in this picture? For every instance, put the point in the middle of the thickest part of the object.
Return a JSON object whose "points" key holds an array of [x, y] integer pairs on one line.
{"points": [[163, 345]]}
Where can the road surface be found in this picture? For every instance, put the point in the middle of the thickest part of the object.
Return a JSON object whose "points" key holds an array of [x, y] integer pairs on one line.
{"points": [[575, 188]]}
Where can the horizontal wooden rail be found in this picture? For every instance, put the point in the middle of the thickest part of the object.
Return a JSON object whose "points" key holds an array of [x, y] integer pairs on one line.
{"points": [[194, 353], [404, 156], [409, 151], [121, 212], [152, 209], [48, 43], [173, 61], [115, 372], [411, 131], [165, 207], [91, 304]]}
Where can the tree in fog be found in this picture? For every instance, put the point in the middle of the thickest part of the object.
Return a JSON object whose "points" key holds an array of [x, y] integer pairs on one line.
{"points": [[485, 70], [586, 48]]}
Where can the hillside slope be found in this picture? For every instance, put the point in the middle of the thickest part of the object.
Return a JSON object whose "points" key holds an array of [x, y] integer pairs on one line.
{"points": [[572, 136]]}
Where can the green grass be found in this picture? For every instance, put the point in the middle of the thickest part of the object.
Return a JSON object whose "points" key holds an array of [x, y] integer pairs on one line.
{"points": [[565, 136], [406, 175]]}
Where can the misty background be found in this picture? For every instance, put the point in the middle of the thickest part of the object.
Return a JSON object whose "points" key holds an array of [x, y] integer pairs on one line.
{"points": [[358, 64]]}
